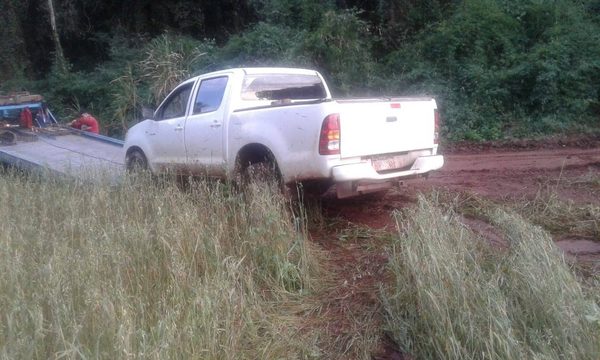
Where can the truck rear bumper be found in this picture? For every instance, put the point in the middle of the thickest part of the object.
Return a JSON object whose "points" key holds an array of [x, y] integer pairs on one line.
{"points": [[361, 178], [365, 171]]}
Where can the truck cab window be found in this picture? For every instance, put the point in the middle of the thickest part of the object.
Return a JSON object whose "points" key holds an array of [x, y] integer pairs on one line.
{"points": [[282, 86], [176, 105], [210, 95]]}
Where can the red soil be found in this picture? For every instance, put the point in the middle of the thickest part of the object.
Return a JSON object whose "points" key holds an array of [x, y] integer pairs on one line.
{"points": [[498, 174], [501, 172]]}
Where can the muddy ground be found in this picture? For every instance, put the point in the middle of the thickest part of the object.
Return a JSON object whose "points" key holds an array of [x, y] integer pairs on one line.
{"points": [[503, 172]]}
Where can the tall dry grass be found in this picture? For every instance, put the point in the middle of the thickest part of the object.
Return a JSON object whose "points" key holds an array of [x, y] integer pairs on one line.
{"points": [[454, 297], [144, 270]]}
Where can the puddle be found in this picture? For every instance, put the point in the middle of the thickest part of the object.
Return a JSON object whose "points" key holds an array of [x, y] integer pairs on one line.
{"points": [[584, 249], [486, 231]]}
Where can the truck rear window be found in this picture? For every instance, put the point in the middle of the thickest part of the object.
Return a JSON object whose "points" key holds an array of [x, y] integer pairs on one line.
{"points": [[282, 86]]}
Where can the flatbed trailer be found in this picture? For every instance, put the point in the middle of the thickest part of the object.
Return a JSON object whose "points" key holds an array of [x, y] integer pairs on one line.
{"points": [[62, 150]]}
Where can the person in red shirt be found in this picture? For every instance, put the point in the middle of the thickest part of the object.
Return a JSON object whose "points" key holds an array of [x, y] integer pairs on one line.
{"points": [[26, 119], [86, 122]]}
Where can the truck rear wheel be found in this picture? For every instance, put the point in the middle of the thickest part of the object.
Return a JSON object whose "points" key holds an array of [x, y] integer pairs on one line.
{"points": [[256, 164], [261, 172], [265, 172]]}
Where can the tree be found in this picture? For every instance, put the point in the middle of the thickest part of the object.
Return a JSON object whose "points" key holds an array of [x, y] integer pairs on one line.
{"points": [[58, 51], [13, 59]]}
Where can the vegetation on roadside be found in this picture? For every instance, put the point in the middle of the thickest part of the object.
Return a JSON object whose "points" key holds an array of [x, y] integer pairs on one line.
{"points": [[499, 68], [562, 217], [453, 296], [143, 268], [557, 215], [140, 269]]}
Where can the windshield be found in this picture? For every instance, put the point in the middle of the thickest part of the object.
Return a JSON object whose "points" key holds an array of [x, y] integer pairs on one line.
{"points": [[282, 87]]}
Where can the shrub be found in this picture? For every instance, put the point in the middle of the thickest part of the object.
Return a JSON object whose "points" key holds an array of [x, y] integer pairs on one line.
{"points": [[503, 67], [265, 45], [170, 59], [454, 297], [341, 48]]}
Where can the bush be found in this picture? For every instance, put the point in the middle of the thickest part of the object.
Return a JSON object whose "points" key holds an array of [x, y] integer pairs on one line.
{"points": [[139, 73], [169, 59], [455, 297], [341, 47], [507, 68], [265, 45]]}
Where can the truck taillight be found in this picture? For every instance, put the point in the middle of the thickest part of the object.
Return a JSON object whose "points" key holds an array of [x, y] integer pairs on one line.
{"points": [[436, 126], [329, 142]]}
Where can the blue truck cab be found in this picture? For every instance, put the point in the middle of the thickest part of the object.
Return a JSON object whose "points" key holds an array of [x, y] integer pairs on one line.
{"points": [[11, 107]]}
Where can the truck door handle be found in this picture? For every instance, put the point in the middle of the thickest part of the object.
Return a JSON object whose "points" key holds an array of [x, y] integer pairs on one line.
{"points": [[215, 124], [178, 128]]}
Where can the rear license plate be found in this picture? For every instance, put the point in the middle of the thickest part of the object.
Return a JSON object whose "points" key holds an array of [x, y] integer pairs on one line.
{"points": [[393, 162]]}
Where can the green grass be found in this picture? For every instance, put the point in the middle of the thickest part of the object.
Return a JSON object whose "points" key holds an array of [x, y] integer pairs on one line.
{"points": [[556, 214], [453, 296], [560, 215], [144, 270]]}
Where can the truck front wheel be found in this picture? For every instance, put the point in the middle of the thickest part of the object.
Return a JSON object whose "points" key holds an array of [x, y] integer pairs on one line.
{"points": [[136, 161]]}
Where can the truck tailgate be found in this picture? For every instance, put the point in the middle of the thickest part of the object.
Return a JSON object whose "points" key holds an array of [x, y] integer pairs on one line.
{"points": [[370, 127]]}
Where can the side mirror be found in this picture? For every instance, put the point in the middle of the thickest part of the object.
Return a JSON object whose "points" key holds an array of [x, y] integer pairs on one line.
{"points": [[147, 112]]}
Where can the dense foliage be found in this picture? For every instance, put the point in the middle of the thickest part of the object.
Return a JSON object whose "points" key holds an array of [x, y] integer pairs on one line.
{"points": [[497, 67]]}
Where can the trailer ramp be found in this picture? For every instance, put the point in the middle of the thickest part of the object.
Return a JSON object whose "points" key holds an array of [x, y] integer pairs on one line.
{"points": [[64, 151]]}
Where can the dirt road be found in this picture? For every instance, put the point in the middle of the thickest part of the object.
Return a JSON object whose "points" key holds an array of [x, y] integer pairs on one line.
{"points": [[505, 174], [499, 174], [519, 173]]}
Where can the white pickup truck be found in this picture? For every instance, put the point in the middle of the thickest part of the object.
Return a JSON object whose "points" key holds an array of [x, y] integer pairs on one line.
{"points": [[219, 124]]}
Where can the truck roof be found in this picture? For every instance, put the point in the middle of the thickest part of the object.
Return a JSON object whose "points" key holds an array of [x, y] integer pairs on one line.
{"points": [[261, 70], [269, 70]]}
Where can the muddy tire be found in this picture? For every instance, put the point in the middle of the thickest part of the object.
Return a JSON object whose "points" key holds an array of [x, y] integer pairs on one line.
{"points": [[263, 172], [136, 162]]}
